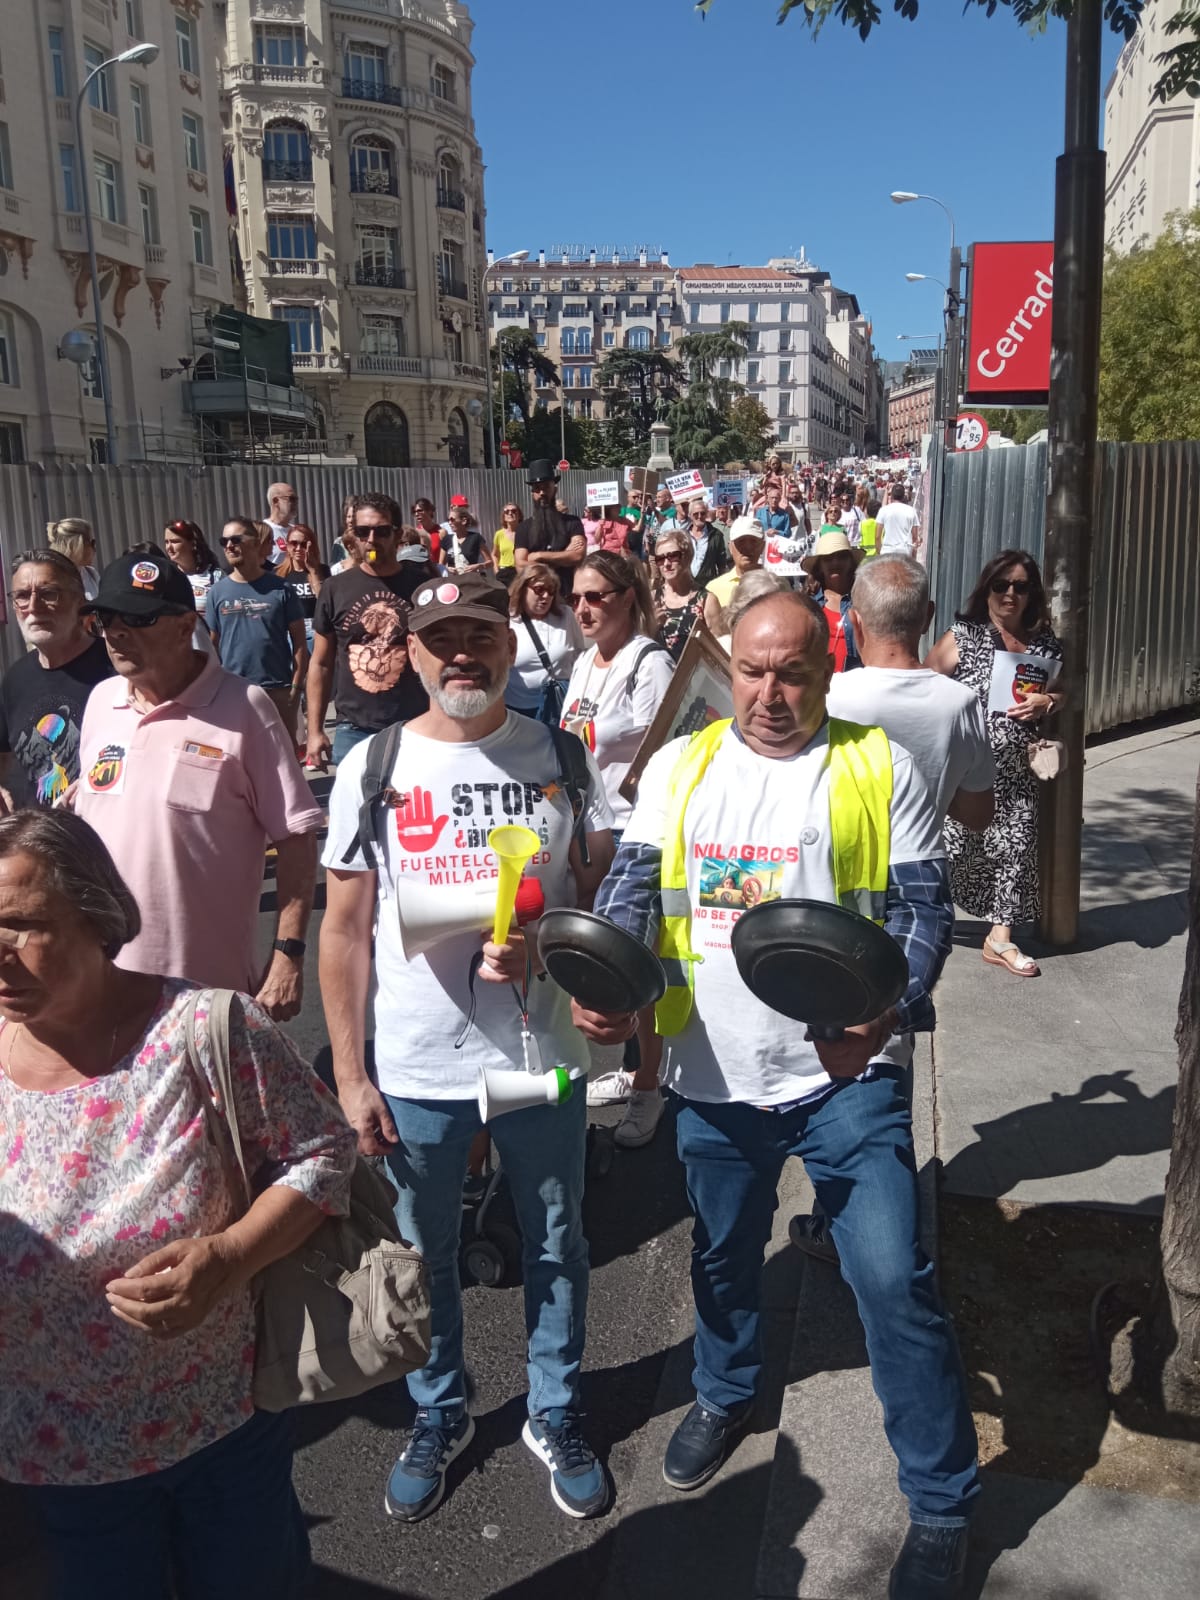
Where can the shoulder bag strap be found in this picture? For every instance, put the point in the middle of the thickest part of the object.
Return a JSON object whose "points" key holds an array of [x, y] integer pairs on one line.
{"points": [[224, 1128], [543, 657], [573, 774], [381, 759]]}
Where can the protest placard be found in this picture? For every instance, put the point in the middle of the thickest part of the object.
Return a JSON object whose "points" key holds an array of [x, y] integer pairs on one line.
{"points": [[784, 553], [685, 485], [641, 480], [606, 493], [729, 492], [1016, 675]]}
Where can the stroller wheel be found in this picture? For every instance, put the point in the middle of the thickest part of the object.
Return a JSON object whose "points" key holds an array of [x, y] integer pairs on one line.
{"points": [[491, 1259]]}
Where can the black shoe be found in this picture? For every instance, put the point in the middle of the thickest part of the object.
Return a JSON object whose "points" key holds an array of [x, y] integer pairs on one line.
{"points": [[931, 1565], [699, 1445], [812, 1236]]}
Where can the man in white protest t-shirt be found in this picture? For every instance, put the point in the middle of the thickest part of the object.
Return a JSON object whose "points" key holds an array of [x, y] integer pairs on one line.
{"points": [[283, 510], [463, 768], [897, 525], [741, 814]]}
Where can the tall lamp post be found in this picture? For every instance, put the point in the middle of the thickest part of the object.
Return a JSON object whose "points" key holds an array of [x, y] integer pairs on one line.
{"points": [[513, 259], [138, 55], [953, 361]]}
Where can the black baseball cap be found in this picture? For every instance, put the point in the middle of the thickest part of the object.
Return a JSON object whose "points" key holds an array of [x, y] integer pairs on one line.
{"points": [[473, 594], [142, 586]]}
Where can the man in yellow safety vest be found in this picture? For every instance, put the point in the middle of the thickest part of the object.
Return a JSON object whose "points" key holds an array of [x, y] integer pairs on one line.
{"points": [[785, 802]]}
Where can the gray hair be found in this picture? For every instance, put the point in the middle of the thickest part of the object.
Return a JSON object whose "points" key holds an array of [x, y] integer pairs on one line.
{"points": [[79, 868], [891, 595], [756, 585], [56, 561]]}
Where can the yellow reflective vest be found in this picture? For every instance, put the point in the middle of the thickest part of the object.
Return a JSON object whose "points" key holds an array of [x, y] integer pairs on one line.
{"points": [[860, 800]]}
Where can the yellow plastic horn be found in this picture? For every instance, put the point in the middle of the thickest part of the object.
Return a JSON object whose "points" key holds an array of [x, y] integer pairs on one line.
{"points": [[515, 847]]}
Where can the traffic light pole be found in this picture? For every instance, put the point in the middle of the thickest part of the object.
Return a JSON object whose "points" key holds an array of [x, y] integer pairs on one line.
{"points": [[1074, 393]]}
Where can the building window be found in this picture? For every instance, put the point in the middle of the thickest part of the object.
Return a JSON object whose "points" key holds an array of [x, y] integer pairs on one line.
{"points": [[724, 311], [785, 405], [70, 178], [658, 286], [450, 192], [784, 432], [442, 84], [193, 142], [291, 238], [148, 206], [201, 237], [785, 339], [371, 170], [585, 407], [584, 377], [383, 336], [637, 339], [506, 286], [6, 166], [108, 188], [304, 326], [58, 63], [752, 372], [90, 385], [752, 341], [785, 311], [723, 370], [378, 253], [785, 372], [97, 91], [139, 98], [610, 340], [278, 47], [8, 351], [133, 19], [186, 51], [694, 312], [567, 342], [568, 377], [287, 156], [450, 270], [541, 340], [12, 444], [753, 317], [366, 65], [583, 342]]}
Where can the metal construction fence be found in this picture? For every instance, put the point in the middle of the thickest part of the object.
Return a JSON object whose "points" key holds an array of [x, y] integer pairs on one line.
{"points": [[1145, 622]]}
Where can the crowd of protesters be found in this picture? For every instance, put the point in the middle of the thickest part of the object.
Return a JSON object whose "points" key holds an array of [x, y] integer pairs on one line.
{"points": [[155, 741]]}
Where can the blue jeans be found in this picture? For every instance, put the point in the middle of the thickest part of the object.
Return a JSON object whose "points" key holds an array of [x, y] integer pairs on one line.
{"points": [[345, 737], [542, 1149], [857, 1147], [226, 1520]]}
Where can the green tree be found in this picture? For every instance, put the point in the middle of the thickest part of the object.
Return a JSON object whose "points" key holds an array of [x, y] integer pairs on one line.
{"points": [[636, 383], [1017, 425], [1180, 64], [516, 358], [749, 421], [1150, 338]]}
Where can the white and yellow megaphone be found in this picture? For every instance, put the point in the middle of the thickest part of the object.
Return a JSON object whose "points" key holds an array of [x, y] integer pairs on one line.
{"points": [[516, 1091], [514, 848], [430, 913]]}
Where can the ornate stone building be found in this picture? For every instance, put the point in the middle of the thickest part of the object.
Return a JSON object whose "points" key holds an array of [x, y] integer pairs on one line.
{"points": [[358, 192], [151, 159]]}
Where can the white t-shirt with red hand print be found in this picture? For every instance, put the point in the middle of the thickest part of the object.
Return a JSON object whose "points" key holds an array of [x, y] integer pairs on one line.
{"points": [[455, 795]]}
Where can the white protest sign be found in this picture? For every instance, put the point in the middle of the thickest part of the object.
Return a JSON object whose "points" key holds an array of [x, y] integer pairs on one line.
{"points": [[729, 492], [784, 554], [607, 493], [1014, 676], [685, 485]]}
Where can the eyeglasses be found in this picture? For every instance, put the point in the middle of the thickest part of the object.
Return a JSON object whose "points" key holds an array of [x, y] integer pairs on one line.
{"points": [[297, 544], [669, 555], [50, 596], [380, 529], [238, 539], [512, 511], [103, 621], [1003, 585], [594, 597], [541, 588]]}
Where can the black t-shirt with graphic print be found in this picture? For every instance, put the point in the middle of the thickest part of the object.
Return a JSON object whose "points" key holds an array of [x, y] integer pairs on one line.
{"points": [[41, 709], [367, 617]]}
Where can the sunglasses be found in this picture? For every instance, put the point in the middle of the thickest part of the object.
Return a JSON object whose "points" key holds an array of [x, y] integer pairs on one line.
{"points": [[237, 540], [540, 588], [50, 596], [379, 529], [297, 544], [669, 555], [103, 621], [1003, 585], [594, 597]]}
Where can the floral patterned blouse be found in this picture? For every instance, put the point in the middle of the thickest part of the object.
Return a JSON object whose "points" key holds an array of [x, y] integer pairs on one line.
{"points": [[93, 1178]]}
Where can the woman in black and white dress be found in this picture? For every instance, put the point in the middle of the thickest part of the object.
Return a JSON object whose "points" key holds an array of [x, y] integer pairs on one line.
{"points": [[994, 874]]}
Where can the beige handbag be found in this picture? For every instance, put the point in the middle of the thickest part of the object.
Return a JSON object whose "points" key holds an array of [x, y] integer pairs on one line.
{"points": [[349, 1308], [1047, 758]]}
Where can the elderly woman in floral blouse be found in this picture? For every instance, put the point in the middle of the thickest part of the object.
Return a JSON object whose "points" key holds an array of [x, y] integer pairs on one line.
{"points": [[126, 1317]]}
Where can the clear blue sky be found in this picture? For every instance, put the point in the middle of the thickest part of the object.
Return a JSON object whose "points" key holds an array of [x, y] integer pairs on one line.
{"points": [[732, 140]]}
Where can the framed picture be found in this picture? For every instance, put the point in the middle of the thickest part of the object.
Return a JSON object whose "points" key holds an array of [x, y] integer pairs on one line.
{"points": [[699, 693]]}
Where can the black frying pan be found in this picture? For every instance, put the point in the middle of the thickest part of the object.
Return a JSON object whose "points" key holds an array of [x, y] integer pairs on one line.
{"points": [[818, 963], [598, 964]]}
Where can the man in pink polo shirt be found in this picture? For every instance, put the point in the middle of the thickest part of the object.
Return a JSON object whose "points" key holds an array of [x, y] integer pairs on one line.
{"points": [[186, 773]]}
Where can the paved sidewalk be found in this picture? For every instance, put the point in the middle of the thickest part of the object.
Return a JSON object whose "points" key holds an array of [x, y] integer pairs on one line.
{"points": [[1043, 1090]]}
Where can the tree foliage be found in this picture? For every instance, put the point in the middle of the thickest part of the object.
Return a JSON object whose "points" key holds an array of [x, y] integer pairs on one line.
{"points": [[1019, 426], [1180, 64], [517, 359], [1150, 338], [637, 384]]}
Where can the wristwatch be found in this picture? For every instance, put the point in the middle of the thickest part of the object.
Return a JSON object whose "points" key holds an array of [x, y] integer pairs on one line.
{"points": [[290, 947]]}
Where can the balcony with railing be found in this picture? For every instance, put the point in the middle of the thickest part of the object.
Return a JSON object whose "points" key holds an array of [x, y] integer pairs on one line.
{"points": [[293, 267], [259, 72], [386, 94], [393, 366], [156, 254], [274, 171], [451, 199], [372, 180], [453, 288], [367, 275]]}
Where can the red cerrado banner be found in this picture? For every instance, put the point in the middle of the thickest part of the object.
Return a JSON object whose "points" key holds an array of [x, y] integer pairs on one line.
{"points": [[1011, 287]]}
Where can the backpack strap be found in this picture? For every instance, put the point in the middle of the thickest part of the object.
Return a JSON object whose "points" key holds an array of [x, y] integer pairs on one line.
{"points": [[573, 775], [542, 654], [376, 780], [648, 649]]}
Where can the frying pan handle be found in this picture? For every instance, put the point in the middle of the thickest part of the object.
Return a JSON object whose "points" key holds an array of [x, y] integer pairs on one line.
{"points": [[828, 1033]]}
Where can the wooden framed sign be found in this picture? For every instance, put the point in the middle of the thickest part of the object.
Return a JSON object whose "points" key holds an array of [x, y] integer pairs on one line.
{"points": [[698, 694]]}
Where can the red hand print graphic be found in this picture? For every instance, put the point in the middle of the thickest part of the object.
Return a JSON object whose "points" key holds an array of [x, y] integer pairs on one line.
{"points": [[417, 828]]}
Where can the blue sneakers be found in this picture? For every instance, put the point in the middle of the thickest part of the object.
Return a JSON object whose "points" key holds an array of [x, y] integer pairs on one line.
{"points": [[418, 1479], [578, 1483]]}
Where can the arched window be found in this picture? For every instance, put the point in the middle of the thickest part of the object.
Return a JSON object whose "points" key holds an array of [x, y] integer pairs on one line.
{"points": [[568, 341], [583, 342], [385, 433], [450, 190], [637, 339], [372, 167], [458, 443], [287, 156]]}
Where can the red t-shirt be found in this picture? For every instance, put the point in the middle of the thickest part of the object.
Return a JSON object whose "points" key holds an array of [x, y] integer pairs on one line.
{"points": [[837, 635]]}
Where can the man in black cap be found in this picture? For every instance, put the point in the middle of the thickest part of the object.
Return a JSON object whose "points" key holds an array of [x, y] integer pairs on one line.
{"points": [[464, 1003], [187, 774], [549, 536]]}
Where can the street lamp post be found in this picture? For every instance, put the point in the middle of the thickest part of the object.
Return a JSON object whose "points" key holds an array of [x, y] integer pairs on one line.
{"points": [[952, 366], [514, 258], [136, 55]]}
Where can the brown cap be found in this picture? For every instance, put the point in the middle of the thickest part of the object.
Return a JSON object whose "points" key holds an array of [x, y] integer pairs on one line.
{"points": [[473, 594]]}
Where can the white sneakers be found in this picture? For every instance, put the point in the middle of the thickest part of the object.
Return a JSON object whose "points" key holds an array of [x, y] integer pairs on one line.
{"points": [[609, 1088], [642, 1117]]}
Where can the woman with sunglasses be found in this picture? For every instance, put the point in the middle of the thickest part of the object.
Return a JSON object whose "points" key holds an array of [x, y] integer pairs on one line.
{"points": [[678, 602], [548, 643], [994, 874], [504, 543]]}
